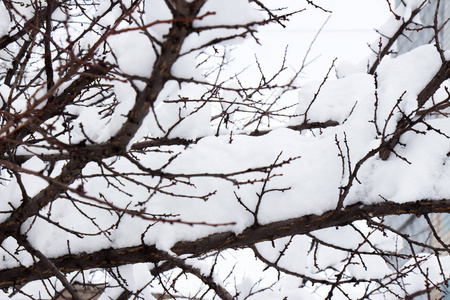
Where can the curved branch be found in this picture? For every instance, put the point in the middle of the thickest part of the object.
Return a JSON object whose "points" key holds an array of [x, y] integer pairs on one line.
{"points": [[225, 240], [50, 266], [208, 280]]}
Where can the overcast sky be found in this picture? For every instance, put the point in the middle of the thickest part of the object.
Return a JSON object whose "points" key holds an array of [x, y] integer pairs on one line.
{"points": [[346, 34]]}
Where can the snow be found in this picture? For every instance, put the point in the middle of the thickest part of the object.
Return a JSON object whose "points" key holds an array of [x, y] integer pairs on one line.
{"points": [[133, 52], [4, 20], [157, 10], [176, 116], [402, 182], [318, 162], [312, 182], [228, 13], [394, 83], [335, 100]]}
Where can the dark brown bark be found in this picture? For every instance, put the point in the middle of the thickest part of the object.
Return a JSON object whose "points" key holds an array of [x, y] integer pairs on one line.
{"points": [[158, 142], [386, 49], [442, 75], [117, 144], [55, 108], [225, 240], [35, 22], [405, 124]]}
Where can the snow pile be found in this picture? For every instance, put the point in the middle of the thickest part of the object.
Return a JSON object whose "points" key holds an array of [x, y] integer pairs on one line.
{"points": [[207, 180]]}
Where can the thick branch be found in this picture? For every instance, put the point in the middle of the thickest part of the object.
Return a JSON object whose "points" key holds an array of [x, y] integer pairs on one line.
{"points": [[31, 24], [149, 253], [158, 142], [434, 84], [170, 51], [30, 207], [50, 266], [405, 124], [72, 170]]}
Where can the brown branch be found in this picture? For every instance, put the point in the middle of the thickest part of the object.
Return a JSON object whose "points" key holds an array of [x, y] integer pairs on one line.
{"points": [[157, 22], [310, 2], [47, 49], [30, 207], [16, 60], [56, 107], [434, 84], [400, 31], [405, 124], [117, 144], [49, 266], [208, 280], [37, 21], [159, 76], [158, 142], [225, 240]]}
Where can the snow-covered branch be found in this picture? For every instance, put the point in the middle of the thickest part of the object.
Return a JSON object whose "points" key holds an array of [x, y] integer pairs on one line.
{"points": [[147, 149]]}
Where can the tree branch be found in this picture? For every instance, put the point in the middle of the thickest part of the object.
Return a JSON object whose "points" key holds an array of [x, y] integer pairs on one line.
{"points": [[46, 263], [111, 257], [400, 31]]}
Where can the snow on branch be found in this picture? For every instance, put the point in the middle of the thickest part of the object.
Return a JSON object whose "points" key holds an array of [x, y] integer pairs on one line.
{"points": [[153, 148]]}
